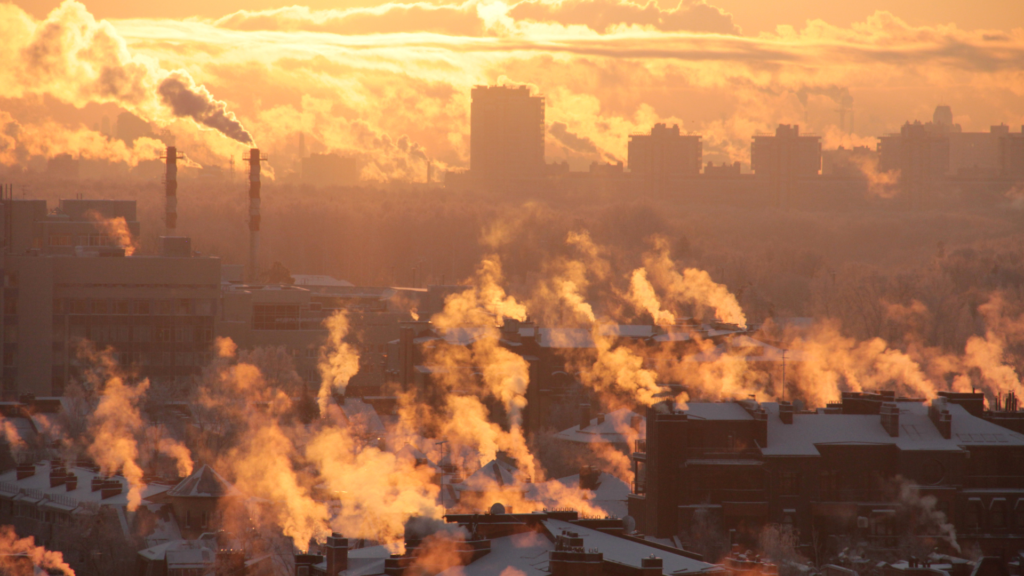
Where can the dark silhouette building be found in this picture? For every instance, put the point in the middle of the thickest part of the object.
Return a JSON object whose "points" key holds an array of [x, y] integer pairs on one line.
{"points": [[1011, 154], [785, 158], [506, 133], [919, 153], [664, 159], [861, 467]]}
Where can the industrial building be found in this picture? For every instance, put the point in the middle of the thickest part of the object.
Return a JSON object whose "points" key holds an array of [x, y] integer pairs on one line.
{"points": [[68, 278]]}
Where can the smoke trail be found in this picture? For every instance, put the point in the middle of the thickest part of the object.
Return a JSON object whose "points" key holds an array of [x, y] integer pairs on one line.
{"points": [[116, 229], [15, 551], [116, 424], [179, 92], [75, 58], [339, 361], [692, 288]]}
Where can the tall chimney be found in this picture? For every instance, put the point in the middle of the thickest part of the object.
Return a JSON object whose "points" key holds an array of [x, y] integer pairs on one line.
{"points": [[254, 214], [171, 187]]}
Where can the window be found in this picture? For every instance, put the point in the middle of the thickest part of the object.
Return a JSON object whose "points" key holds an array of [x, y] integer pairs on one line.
{"points": [[974, 514], [60, 239], [789, 483], [164, 307], [122, 333], [275, 317], [79, 306], [829, 484], [142, 334], [997, 513], [204, 307], [206, 519], [141, 307], [60, 306], [100, 307], [184, 307], [164, 333], [120, 307], [99, 333]]}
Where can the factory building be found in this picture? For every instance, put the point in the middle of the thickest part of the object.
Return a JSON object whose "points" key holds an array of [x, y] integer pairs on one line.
{"points": [[68, 277]]}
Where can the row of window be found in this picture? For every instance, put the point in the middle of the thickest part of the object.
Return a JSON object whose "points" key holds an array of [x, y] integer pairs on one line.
{"points": [[68, 240], [163, 307], [162, 358], [123, 334], [997, 517]]}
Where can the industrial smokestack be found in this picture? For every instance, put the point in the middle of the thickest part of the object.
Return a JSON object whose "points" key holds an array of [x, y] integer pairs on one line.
{"points": [[254, 214], [171, 187]]}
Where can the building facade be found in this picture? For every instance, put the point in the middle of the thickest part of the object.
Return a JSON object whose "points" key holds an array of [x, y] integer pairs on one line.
{"points": [[67, 280], [664, 159], [506, 133], [861, 467], [785, 158]]}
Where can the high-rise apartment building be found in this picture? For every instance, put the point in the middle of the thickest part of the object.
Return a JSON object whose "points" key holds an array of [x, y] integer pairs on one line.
{"points": [[506, 133], [785, 158], [919, 153], [664, 158]]}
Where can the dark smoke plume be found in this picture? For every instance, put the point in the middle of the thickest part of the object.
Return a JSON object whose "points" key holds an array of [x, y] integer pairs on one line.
{"points": [[180, 92]]}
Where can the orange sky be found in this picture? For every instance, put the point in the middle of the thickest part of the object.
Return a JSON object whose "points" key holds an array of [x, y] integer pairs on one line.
{"points": [[752, 16], [392, 81]]}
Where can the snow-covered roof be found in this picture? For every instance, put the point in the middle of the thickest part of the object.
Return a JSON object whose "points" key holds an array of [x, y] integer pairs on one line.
{"points": [[608, 430], [182, 554], [460, 336], [717, 411], [629, 552], [37, 488], [204, 482], [581, 337], [362, 415], [750, 349], [526, 552], [494, 471], [610, 495], [917, 431], [319, 280], [366, 561]]}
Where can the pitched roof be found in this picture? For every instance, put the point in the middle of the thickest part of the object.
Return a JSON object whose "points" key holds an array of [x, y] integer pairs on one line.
{"points": [[607, 430], [204, 482]]}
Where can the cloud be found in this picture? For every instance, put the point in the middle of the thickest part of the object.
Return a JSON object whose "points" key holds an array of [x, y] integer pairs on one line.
{"points": [[385, 19], [395, 88], [78, 60], [604, 15]]}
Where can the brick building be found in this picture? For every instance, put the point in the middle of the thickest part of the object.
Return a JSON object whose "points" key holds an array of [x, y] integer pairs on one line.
{"points": [[845, 469]]}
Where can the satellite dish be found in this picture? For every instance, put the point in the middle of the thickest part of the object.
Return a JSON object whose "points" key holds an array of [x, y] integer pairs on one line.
{"points": [[629, 524], [497, 509]]}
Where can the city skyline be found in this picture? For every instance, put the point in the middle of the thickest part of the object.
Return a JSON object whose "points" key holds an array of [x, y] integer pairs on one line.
{"points": [[334, 76]]}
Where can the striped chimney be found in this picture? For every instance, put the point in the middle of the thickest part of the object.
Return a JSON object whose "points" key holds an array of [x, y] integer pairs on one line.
{"points": [[171, 187], [254, 214]]}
